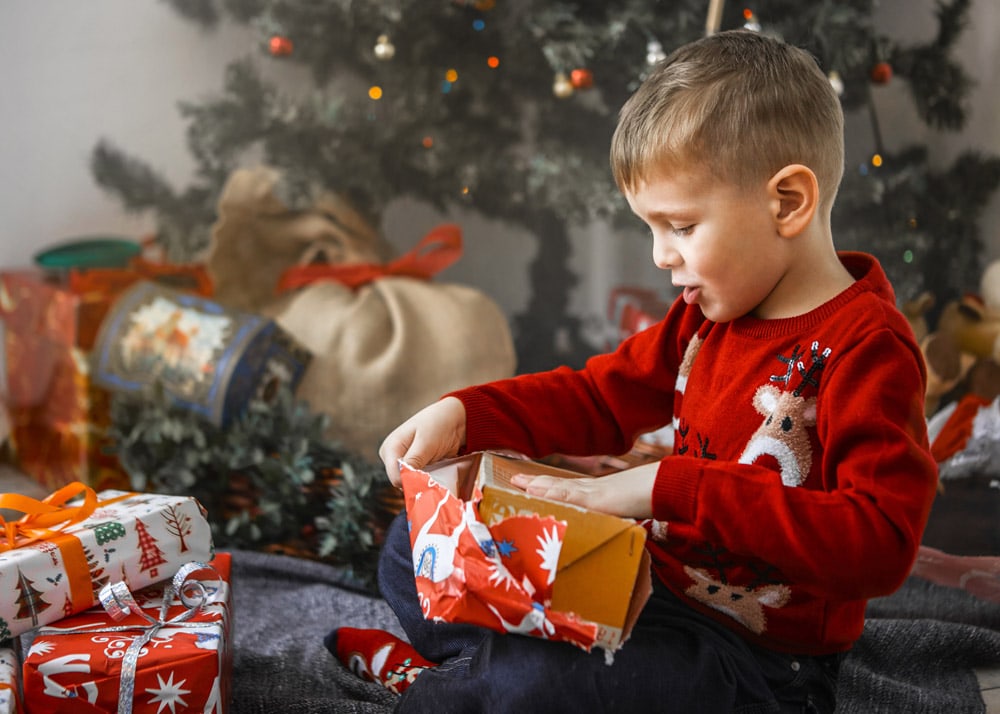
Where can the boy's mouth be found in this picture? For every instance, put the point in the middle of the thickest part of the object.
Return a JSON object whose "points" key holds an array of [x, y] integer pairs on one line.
{"points": [[691, 294]]}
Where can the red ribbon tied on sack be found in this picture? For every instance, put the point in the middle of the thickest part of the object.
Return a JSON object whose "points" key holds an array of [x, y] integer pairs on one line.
{"points": [[435, 252], [44, 519]]}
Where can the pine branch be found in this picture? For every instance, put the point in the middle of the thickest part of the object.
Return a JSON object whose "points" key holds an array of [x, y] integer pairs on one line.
{"points": [[939, 85], [136, 184], [270, 480], [204, 12]]}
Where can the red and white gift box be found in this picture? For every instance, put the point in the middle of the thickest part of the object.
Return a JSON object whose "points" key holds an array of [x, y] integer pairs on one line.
{"points": [[49, 569], [9, 679], [631, 310], [170, 656]]}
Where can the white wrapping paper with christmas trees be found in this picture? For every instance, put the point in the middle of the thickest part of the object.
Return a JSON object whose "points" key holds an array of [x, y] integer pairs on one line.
{"points": [[49, 569]]}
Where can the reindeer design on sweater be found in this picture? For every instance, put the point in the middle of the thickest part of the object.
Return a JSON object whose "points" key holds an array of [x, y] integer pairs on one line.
{"points": [[787, 415], [743, 603]]}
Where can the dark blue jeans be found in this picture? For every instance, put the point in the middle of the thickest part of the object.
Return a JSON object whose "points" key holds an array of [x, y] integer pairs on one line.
{"points": [[676, 660]]}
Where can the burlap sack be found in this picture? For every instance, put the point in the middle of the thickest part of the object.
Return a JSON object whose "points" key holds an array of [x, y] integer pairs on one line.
{"points": [[257, 237], [385, 342]]}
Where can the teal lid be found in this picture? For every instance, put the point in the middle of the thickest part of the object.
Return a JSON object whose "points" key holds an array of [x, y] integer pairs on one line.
{"points": [[97, 252]]}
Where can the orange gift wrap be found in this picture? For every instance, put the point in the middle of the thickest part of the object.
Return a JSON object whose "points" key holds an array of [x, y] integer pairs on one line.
{"points": [[163, 648], [58, 416], [57, 557]]}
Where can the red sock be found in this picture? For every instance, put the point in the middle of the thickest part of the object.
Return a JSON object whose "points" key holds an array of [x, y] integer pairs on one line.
{"points": [[379, 656]]}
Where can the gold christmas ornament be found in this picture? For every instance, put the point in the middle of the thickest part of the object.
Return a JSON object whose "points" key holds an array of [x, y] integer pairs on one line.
{"points": [[654, 52], [384, 49], [561, 86], [836, 82]]}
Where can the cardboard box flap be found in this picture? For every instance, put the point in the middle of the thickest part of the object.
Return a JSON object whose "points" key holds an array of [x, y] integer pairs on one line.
{"points": [[581, 538], [495, 471], [593, 543]]}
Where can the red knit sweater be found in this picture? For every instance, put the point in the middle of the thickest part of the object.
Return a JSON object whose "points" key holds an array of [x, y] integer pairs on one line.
{"points": [[801, 477]]}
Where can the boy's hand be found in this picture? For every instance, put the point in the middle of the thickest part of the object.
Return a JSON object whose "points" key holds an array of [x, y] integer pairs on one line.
{"points": [[435, 432], [627, 493]]}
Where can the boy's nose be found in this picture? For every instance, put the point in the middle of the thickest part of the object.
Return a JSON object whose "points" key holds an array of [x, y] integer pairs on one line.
{"points": [[665, 257]]}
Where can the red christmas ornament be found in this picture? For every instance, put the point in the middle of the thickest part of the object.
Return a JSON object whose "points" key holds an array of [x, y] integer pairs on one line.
{"points": [[581, 78], [280, 46], [881, 73]]}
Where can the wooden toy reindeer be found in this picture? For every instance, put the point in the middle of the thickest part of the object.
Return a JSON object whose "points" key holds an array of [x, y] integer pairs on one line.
{"points": [[743, 603], [787, 414]]}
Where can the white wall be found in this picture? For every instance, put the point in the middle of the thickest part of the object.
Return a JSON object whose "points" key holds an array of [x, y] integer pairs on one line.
{"points": [[73, 72]]}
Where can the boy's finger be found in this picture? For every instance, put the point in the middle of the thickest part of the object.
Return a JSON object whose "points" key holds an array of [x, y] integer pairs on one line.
{"points": [[390, 456]]}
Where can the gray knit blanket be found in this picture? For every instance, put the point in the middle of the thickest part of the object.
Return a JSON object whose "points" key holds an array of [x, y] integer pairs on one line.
{"points": [[917, 654]]}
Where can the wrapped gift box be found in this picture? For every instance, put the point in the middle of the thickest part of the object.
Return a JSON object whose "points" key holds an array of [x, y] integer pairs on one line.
{"points": [[10, 671], [633, 309], [58, 416], [486, 553], [137, 538], [209, 359], [185, 666]]}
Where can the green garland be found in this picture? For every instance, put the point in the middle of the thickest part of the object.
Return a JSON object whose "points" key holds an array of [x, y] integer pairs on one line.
{"points": [[270, 480]]}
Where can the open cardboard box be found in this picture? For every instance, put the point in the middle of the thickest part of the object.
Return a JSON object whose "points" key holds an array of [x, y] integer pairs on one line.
{"points": [[603, 573]]}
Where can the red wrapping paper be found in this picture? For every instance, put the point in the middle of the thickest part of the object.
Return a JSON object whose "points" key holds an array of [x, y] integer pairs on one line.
{"points": [[59, 418], [631, 310], [498, 576], [75, 668], [9, 679]]}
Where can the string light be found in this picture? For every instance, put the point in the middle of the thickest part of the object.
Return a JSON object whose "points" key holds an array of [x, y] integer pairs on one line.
{"points": [[375, 92], [493, 61], [876, 160]]}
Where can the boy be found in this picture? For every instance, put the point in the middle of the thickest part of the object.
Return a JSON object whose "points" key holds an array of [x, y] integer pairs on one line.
{"points": [[800, 479]]}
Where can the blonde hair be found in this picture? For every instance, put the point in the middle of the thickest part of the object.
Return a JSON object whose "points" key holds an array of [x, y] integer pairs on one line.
{"points": [[740, 103]]}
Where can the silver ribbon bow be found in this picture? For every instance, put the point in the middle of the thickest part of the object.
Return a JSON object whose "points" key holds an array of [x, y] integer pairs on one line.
{"points": [[118, 602]]}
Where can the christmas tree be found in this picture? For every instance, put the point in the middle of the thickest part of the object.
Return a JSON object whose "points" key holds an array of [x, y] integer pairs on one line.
{"points": [[29, 599], [152, 557], [178, 524], [506, 107]]}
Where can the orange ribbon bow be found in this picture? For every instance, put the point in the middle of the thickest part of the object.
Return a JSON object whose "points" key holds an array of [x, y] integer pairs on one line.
{"points": [[44, 519]]}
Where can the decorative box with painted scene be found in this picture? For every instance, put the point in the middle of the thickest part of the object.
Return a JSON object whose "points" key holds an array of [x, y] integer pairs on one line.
{"points": [[210, 359]]}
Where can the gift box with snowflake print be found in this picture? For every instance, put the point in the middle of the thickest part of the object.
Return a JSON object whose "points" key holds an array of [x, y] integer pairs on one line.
{"points": [[175, 655]]}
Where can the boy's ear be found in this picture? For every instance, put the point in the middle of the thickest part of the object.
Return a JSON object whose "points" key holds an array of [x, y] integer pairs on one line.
{"points": [[794, 193]]}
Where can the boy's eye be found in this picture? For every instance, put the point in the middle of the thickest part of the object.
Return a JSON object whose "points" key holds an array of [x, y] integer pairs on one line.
{"points": [[682, 230]]}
